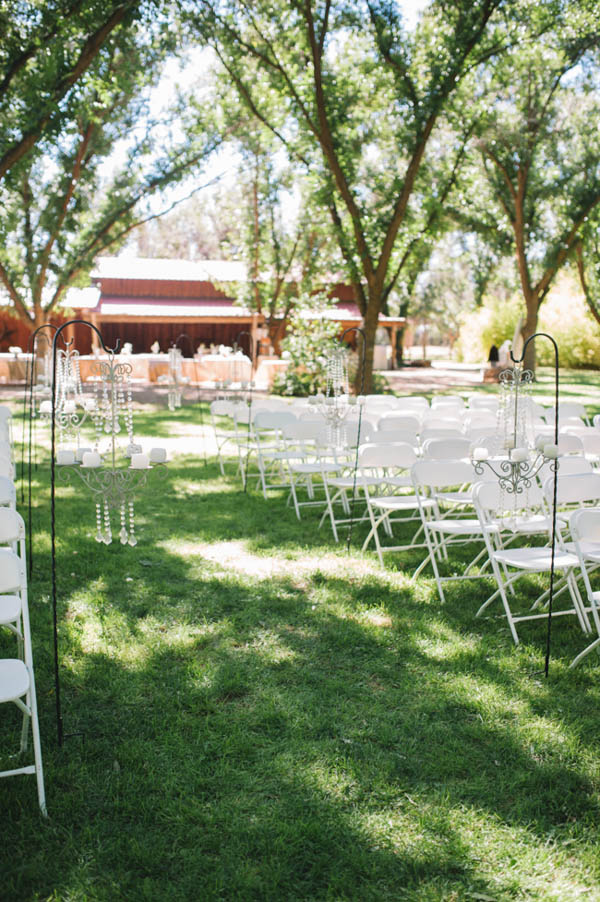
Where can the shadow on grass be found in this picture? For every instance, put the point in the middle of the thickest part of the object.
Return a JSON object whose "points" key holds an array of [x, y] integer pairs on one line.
{"points": [[307, 736]]}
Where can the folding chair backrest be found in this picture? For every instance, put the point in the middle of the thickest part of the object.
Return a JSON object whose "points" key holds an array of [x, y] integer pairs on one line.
{"points": [[354, 436], [585, 524], [413, 402], [12, 526], [437, 420], [442, 473], [446, 448], [399, 421], [397, 456], [440, 432], [567, 466], [448, 401], [394, 435], [222, 408], [576, 489], [493, 499], [483, 402], [272, 419], [591, 443], [8, 492], [302, 430], [479, 419], [11, 572], [6, 468], [569, 444]]}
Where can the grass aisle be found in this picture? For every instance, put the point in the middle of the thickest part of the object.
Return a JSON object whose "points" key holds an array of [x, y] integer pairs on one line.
{"points": [[267, 718]]}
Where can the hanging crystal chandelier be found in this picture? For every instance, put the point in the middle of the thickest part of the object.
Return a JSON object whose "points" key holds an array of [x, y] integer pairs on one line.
{"points": [[100, 468], [336, 403], [521, 454]]}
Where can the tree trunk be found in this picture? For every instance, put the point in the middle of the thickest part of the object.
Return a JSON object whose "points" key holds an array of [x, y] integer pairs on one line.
{"points": [[529, 329], [364, 382]]}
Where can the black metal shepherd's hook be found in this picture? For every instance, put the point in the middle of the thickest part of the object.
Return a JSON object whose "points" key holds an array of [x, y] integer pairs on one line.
{"points": [[252, 350], [72, 322], [553, 553], [362, 388]]}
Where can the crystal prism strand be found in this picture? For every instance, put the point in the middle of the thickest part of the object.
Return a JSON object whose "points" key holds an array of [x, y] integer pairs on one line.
{"points": [[106, 407], [129, 412], [107, 529], [123, 533], [132, 538], [99, 536]]}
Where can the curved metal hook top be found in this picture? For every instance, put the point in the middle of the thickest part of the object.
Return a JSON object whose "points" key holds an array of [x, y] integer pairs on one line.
{"points": [[31, 341], [530, 339], [84, 322]]}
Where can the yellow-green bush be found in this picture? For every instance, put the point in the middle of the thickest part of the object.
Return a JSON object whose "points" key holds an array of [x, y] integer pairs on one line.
{"points": [[563, 315]]}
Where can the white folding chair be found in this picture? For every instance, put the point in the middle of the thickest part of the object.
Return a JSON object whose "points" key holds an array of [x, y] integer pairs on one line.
{"points": [[434, 481], [510, 564], [310, 462], [17, 681], [584, 526], [271, 454], [390, 504]]}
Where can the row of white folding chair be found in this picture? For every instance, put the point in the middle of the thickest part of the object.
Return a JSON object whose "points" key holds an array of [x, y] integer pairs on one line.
{"points": [[17, 680]]}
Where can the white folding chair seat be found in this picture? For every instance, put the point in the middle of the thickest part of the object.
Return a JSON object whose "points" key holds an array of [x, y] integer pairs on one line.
{"points": [[509, 564], [17, 682]]}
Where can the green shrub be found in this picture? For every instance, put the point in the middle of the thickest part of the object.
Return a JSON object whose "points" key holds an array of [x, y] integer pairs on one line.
{"points": [[310, 336]]}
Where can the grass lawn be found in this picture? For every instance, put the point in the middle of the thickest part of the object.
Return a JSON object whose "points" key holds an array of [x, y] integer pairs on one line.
{"points": [[266, 717]]}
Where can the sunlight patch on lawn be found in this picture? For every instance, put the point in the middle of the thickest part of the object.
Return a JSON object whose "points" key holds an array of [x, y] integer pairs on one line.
{"points": [[235, 556]]}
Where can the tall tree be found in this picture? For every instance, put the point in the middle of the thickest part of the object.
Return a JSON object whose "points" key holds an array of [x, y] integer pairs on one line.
{"points": [[538, 153], [47, 47], [363, 99], [59, 209]]}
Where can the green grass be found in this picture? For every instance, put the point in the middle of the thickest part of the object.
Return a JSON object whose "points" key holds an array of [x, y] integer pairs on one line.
{"points": [[266, 717]]}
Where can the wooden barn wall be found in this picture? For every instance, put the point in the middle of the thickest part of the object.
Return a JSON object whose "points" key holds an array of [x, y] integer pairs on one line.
{"points": [[142, 335], [15, 333]]}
